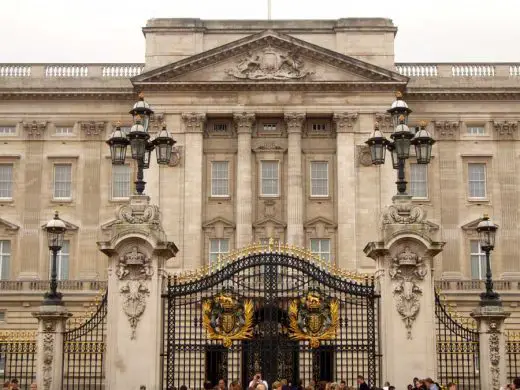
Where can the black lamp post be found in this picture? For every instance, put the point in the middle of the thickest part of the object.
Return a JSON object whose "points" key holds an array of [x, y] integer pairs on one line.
{"points": [[402, 140], [56, 229], [139, 140], [487, 232]]}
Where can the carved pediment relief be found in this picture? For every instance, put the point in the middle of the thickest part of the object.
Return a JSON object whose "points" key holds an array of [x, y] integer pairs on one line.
{"points": [[320, 226], [269, 57], [8, 227], [269, 220], [270, 227], [219, 227]]}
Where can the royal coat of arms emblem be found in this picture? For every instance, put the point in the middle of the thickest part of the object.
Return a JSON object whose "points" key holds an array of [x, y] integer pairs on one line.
{"points": [[313, 318], [225, 318]]}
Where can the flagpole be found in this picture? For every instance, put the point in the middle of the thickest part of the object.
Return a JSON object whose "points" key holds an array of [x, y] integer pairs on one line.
{"points": [[268, 9]]}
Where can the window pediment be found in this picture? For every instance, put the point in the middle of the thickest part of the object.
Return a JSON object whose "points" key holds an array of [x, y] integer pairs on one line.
{"points": [[470, 228], [8, 227], [219, 228], [270, 220]]}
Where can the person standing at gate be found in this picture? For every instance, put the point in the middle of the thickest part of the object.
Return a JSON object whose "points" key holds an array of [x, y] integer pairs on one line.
{"points": [[14, 384], [362, 385], [257, 380]]}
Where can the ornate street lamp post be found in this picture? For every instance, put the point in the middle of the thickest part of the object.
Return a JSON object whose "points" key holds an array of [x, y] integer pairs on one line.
{"points": [[401, 141], [139, 140], [487, 232], [56, 229]]}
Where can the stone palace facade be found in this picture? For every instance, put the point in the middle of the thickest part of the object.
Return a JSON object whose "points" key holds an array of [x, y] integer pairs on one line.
{"points": [[270, 119]]}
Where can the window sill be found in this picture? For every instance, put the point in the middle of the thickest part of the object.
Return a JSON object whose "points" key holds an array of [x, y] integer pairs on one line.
{"points": [[226, 198], [119, 200], [270, 196], [478, 200], [6, 200], [319, 198], [55, 200], [420, 200]]}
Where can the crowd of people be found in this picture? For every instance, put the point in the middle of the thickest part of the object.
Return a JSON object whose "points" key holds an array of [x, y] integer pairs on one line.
{"points": [[14, 384]]}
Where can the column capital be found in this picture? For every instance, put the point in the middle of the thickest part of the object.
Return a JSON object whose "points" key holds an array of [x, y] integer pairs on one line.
{"points": [[92, 128], [294, 121], [344, 121], [244, 122], [34, 129], [194, 122]]}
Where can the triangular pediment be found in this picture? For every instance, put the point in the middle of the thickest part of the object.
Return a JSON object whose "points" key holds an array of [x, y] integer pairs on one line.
{"points": [[70, 226], [269, 220], [218, 220], [320, 220], [8, 226], [269, 58], [472, 225]]}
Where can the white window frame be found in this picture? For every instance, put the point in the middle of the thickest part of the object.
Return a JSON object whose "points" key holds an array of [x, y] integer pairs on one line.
{"points": [[470, 196], [269, 127], [318, 126], [412, 181], [113, 183], [481, 260], [6, 131], [470, 130], [54, 182], [320, 252], [60, 133], [277, 162], [59, 261], [315, 178], [226, 179], [5, 255], [219, 251], [220, 127], [9, 184]]}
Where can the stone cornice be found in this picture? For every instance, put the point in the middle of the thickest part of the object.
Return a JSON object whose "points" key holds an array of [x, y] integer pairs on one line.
{"points": [[73, 93], [434, 94]]}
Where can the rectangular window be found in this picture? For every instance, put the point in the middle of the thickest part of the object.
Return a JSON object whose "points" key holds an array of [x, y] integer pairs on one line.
{"points": [[269, 126], [5, 259], [64, 131], [121, 186], [317, 126], [7, 130], [220, 127], [476, 130], [62, 181], [219, 178], [6, 181], [269, 178], [319, 178], [478, 260], [477, 181], [419, 180], [217, 246], [265, 241], [62, 261], [321, 247]]}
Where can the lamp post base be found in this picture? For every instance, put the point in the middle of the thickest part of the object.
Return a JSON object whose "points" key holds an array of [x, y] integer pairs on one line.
{"points": [[52, 299]]}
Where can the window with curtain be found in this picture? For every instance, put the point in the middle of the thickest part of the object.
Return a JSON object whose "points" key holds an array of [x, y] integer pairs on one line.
{"points": [[62, 261], [121, 182], [62, 181], [6, 181], [217, 246], [477, 180], [5, 259], [319, 178], [419, 180], [476, 130], [478, 260], [219, 178], [269, 178], [321, 248]]}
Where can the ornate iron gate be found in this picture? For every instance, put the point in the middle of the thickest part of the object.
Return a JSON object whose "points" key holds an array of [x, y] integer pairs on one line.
{"points": [[84, 352], [18, 357], [282, 313], [457, 349], [513, 355]]}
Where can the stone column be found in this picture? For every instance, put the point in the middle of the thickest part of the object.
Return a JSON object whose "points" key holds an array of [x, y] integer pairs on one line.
{"points": [[193, 166], [346, 184], [492, 343], [244, 199], [137, 251], [295, 188], [32, 189], [49, 346], [404, 257]]}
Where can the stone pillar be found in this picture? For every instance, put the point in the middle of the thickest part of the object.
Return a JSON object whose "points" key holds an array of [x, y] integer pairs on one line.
{"points": [[193, 164], [244, 199], [346, 184], [32, 188], [295, 188], [137, 251], [404, 257], [49, 346], [492, 343]]}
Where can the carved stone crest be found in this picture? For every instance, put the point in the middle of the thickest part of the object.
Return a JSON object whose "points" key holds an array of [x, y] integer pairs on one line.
{"points": [[225, 318], [270, 64], [134, 215], [403, 213], [313, 318], [407, 269], [134, 265], [363, 156]]}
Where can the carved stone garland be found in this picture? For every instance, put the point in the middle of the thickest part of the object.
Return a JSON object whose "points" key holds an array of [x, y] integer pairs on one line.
{"points": [[48, 353], [406, 271], [135, 270], [494, 355]]}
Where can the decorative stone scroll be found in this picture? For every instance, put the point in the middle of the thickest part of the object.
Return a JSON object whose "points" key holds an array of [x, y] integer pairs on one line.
{"points": [[133, 215], [244, 122], [505, 129], [49, 328], [135, 269], [194, 122], [92, 128], [270, 64], [403, 213], [34, 129], [407, 270], [385, 121], [344, 121], [447, 129], [294, 121]]}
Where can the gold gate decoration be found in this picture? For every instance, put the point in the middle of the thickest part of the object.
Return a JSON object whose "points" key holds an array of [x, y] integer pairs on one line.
{"points": [[225, 318], [313, 318]]}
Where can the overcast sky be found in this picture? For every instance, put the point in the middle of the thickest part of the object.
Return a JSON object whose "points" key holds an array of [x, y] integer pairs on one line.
{"points": [[110, 30]]}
